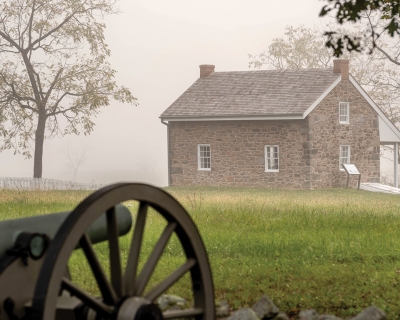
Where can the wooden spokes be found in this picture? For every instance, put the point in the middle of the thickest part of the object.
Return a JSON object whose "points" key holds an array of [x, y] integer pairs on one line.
{"points": [[126, 282]]}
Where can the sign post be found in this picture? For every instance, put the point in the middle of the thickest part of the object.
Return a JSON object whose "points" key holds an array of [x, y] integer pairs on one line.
{"points": [[351, 170]]}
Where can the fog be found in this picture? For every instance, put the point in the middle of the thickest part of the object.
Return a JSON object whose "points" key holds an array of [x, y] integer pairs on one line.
{"points": [[157, 47]]}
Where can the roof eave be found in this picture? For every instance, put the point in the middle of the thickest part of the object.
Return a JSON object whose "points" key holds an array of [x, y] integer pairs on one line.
{"points": [[285, 116]]}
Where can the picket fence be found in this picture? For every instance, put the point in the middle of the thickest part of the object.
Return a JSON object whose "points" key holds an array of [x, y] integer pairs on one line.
{"points": [[45, 184]]}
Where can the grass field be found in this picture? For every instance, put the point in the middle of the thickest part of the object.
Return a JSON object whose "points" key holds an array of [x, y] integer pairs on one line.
{"points": [[336, 250]]}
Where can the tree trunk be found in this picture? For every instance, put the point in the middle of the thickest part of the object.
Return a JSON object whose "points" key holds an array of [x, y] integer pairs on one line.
{"points": [[39, 141]]}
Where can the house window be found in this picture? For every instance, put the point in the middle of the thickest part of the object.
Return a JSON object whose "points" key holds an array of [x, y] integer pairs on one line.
{"points": [[271, 158], [204, 157], [344, 112], [344, 156]]}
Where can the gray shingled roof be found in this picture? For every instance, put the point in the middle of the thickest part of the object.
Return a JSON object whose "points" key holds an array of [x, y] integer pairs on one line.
{"points": [[246, 93]]}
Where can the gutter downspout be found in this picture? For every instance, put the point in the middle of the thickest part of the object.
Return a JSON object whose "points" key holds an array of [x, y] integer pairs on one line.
{"points": [[169, 176]]}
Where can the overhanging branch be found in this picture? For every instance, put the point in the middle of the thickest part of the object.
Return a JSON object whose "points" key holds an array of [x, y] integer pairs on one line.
{"points": [[387, 55]]}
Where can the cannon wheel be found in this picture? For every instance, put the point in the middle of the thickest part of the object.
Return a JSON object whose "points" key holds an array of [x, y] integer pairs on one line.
{"points": [[123, 296]]}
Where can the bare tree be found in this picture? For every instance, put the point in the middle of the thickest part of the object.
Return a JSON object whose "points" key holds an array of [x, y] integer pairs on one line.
{"points": [[299, 48], [75, 155], [303, 47], [53, 63]]}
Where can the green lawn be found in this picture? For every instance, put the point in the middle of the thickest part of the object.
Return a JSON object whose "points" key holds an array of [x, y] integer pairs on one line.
{"points": [[335, 250]]}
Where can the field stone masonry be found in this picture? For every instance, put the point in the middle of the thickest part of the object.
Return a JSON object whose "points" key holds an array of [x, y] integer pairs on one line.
{"points": [[237, 114]]}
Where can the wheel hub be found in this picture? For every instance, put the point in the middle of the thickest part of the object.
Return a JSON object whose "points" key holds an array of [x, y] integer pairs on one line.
{"points": [[137, 308]]}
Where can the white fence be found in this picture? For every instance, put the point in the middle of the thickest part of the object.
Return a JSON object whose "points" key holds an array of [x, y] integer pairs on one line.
{"points": [[45, 184]]}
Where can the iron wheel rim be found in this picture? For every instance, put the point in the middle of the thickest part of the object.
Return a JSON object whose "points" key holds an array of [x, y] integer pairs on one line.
{"points": [[179, 222]]}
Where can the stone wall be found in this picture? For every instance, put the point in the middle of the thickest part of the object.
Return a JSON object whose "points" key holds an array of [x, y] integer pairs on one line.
{"points": [[237, 153], [327, 134], [308, 149]]}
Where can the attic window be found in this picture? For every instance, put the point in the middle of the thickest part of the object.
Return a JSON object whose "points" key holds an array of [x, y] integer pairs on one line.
{"points": [[204, 157], [271, 158], [344, 112]]}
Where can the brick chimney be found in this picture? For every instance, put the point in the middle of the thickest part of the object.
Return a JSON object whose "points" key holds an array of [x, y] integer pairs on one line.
{"points": [[206, 69], [341, 66]]}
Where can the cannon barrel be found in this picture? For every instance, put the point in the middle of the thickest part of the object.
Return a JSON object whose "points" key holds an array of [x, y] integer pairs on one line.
{"points": [[50, 223]]}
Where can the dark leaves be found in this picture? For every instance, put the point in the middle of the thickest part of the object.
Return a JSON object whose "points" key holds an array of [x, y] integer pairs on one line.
{"points": [[338, 43], [393, 27], [357, 11]]}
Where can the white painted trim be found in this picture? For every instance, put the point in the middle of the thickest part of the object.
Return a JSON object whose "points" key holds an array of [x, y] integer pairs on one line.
{"points": [[316, 102], [348, 113], [376, 108], [340, 152], [235, 118], [266, 160], [198, 157]]}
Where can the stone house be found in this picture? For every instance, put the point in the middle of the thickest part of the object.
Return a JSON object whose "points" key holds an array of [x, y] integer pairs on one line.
{"points": [[275, 128]]}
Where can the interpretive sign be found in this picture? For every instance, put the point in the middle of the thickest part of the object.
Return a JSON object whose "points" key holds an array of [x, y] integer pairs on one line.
{"points": [[351, 169]]}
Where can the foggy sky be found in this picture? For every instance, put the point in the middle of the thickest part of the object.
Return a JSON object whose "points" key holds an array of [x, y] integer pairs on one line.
{"points": [[157, 47]]}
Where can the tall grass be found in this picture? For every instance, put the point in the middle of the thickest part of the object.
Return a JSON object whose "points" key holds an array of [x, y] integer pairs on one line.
{"points": [[334, 250]]}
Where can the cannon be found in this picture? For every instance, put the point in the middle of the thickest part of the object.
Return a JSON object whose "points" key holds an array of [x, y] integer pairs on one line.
{"points": [[35, 282]]}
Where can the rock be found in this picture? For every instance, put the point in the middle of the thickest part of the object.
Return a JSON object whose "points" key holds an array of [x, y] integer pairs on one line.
{"points": [[281, 316], [265, 308], [370, 313], [328, 317], [222, 309], [308, 314], [171, 301], [244, 314]]}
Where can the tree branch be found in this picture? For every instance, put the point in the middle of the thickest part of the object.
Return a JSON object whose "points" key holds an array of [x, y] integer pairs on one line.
{"points": [[26, 106], [387, 55], [39, 84], [30, 23], [52, 86], [8, 38], [14, 92], [56, 28]]}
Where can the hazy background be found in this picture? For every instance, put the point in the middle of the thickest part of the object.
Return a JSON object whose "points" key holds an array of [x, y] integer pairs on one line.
{"points": [[157, 47]]}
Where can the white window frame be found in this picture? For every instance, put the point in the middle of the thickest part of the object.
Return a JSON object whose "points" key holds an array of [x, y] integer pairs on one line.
{"points": [[341, 157], [200, 157], [267, 158], [347, 115]]}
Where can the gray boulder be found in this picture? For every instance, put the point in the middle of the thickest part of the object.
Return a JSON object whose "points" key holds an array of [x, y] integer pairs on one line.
{"points": [[222, 309], [281, 316], [328, 317], [370, 313], [171, 302], [308, 314], [244, 314], [265, 308]]}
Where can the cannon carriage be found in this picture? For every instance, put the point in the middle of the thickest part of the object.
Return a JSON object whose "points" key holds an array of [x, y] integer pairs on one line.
{"points": [[35, 282]]}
